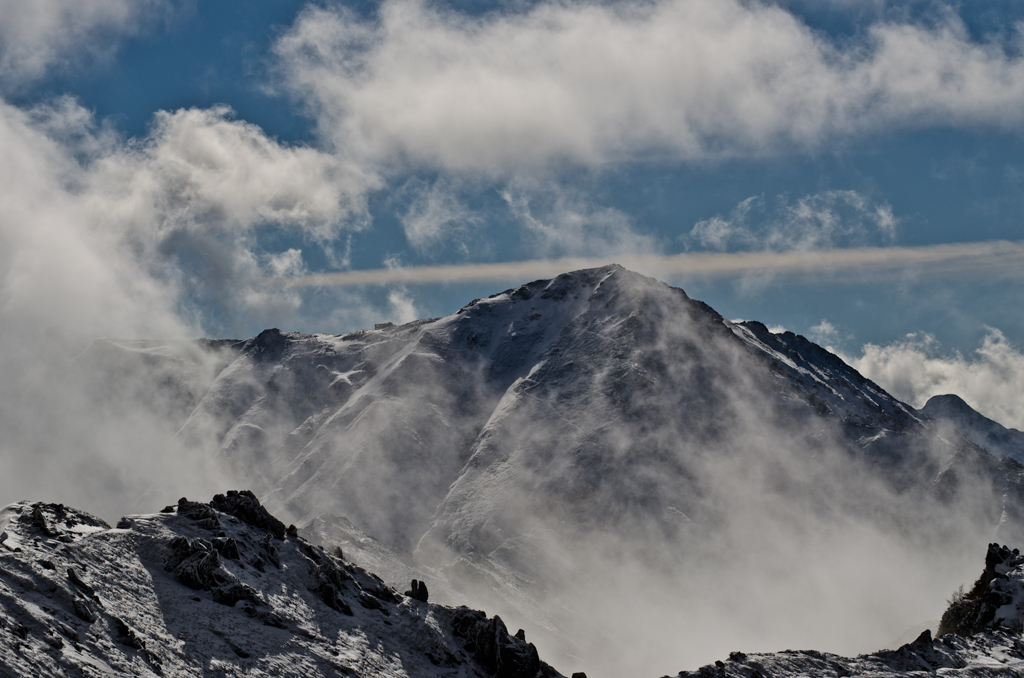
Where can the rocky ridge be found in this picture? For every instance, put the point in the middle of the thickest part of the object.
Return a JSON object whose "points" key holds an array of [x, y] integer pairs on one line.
{"points": [[221, 588]]}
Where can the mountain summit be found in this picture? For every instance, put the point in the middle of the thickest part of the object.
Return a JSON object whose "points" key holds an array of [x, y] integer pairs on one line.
{"points": [[560, 450]]}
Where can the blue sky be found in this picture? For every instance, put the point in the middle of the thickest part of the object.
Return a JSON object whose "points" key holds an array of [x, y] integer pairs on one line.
{"points": [[172, 161]]}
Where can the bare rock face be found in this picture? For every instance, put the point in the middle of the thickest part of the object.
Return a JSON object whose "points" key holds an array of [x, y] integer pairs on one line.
{"points": [[244, 506], [501, 654]]}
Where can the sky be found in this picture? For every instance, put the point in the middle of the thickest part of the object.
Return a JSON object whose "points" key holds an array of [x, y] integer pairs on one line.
{"points": [[850, 170]]}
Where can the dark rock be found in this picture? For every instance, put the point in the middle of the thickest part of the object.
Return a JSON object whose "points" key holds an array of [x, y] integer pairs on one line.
{"points": [[244, 506], [737, 656], [39, 520], [168, 509], [194, 510], [493, 648], [292, 531], [232, 593], [196, 571], [521, 634], [371, 602], [83, 611], [270, 552], [227, 548], [77, 581], [418, 591], [579, 674], [209, 524], [268, 618], [47, 565], [127, 636], [20, 630], [124, 523]]}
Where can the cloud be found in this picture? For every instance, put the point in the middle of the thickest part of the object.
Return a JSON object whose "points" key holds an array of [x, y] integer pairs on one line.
{"points": [[434, 214], [819, 221], [991, 260], [39, 35], [824, 333], [917, 368], [562, 221], [596, 83], [143, 238]]}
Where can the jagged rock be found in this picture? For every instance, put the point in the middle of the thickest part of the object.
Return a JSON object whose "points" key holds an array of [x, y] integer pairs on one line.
{"points": [[232, 593], [194, 510], [47, 565], [196, 571], [521, 634], [127, 635], [579, 674], [244, 506], [985, 605], [83, 611], [124, 523], [77, 581], [227, 548], [488, 639], [292, 531], [268, 618], [39, 521], [418, 591], [270, 552]]}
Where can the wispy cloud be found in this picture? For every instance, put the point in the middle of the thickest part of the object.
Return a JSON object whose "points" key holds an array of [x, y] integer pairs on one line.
{"points": [[828, 219], [989, 259]]}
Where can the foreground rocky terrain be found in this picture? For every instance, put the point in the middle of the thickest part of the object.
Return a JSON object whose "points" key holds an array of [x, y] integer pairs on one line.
{"points": [[221, 589], [224, 588]]}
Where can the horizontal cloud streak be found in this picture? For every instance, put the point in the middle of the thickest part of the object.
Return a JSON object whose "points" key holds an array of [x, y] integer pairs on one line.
{"points": [[991, 259]]}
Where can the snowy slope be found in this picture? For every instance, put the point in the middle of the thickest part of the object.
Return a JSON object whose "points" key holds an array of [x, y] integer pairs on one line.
{"points": [[226, 591]]}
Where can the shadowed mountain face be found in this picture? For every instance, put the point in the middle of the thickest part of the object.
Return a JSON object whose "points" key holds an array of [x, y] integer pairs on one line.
{"points": [[557, 449], [994, 437]]}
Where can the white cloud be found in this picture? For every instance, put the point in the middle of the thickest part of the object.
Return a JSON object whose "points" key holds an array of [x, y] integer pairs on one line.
{"points": [[593, 83], [37, 35], [824, 333], [401, 306], [818, 221], [917, 368]]}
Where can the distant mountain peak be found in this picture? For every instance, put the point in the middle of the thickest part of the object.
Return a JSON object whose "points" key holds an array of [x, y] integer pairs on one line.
{"points": [[999, 440]]}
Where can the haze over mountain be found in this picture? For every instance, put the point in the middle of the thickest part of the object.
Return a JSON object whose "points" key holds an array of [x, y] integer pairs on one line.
{"points": [[603, 461], [976, 427]]}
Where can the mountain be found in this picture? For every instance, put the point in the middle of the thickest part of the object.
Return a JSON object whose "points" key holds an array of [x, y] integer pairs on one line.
{"points": [[220, 588], [589, 455], [994, 437]]}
